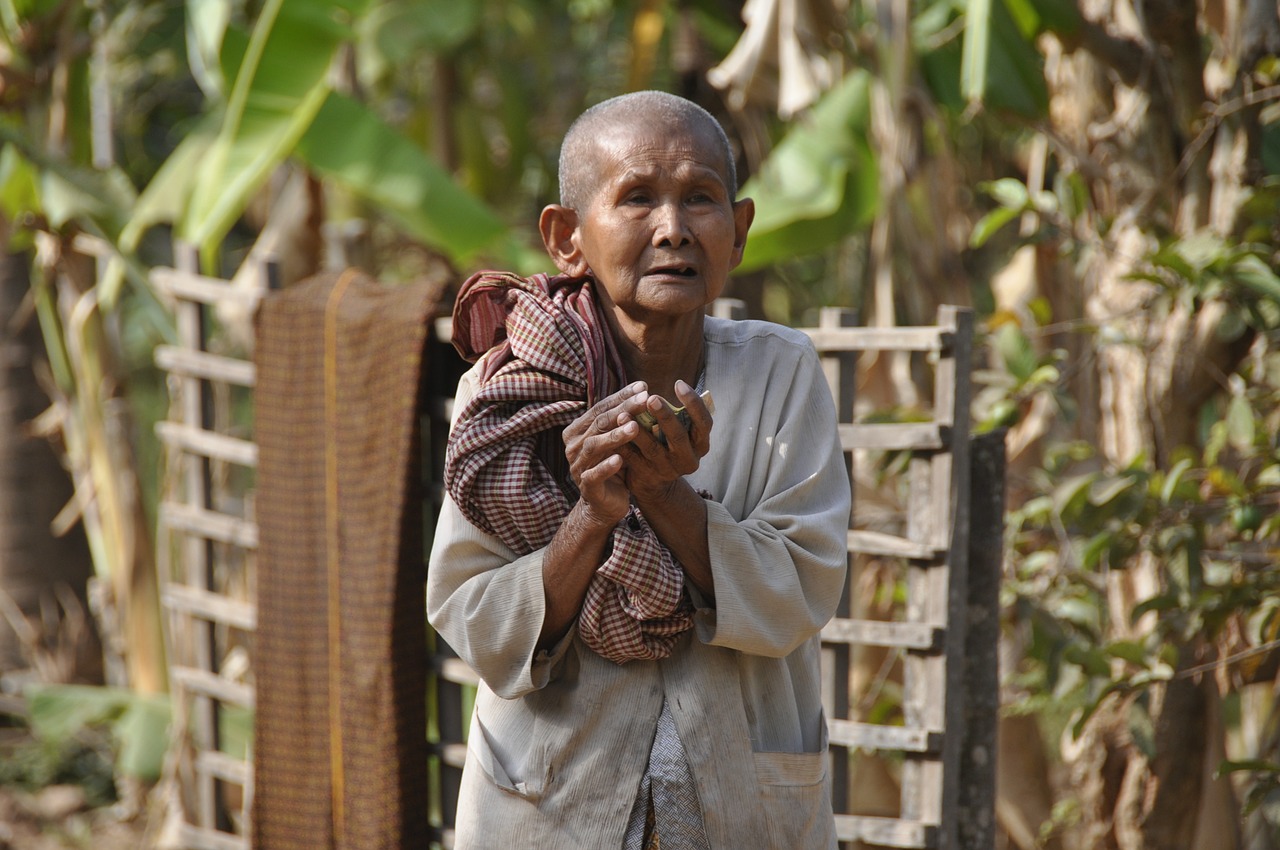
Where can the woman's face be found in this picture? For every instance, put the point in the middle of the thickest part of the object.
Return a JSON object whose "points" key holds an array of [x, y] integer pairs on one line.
{"points": [[661, 233]]}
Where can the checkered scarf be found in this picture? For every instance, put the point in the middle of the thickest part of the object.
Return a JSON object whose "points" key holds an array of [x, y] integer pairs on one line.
{"points": [[551, 356]]}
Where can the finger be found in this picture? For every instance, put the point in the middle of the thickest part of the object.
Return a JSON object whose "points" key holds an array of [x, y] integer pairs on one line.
{"points": [[698, 410], [589, 451], [604, 414]]}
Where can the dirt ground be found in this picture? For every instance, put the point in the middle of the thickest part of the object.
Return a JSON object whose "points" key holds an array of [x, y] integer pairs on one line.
{"points": [[57, 818]]}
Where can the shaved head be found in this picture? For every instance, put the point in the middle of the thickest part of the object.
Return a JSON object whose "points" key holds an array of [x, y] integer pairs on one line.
{"points": [[579, 152]]}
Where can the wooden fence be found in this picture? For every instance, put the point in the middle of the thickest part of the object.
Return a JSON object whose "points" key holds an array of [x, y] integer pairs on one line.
{"points": [[944, 730]]}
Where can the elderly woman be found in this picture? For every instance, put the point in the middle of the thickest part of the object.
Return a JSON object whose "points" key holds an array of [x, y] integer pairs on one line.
{"points": [[640, 592]]}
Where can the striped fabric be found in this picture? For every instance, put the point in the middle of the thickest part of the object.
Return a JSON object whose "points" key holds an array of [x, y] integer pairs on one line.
{"points": [[551, 356]]}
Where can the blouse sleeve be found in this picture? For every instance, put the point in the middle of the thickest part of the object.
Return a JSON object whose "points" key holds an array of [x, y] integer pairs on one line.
{"points": [[780, 569], [487, 602]]}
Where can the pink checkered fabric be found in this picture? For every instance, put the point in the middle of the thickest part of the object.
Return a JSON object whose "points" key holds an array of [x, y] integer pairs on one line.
{"points": [[552, 357]]}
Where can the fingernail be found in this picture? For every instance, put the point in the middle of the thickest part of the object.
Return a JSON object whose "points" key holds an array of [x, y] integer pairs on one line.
{"points": [[681, 385]]}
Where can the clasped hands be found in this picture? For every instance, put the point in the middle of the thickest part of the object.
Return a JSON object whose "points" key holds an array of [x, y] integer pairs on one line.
{"points": [[612, 459]]}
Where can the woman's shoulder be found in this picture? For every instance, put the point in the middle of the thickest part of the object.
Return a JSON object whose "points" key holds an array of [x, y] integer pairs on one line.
{"points": [[755, 333]]}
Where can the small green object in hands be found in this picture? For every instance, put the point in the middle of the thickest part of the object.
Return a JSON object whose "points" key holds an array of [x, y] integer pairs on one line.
{"points": [[650, 423]]}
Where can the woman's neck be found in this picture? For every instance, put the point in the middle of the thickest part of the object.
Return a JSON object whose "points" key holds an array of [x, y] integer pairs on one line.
{"points": [[662, 355]]}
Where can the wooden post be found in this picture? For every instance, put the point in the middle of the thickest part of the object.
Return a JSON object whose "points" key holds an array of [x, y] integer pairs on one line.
{"points": [[197, 552], [976, 809], [841, 371]]}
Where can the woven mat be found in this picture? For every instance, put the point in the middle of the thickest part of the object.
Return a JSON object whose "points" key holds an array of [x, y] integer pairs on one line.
{"points": [[339, 362]]}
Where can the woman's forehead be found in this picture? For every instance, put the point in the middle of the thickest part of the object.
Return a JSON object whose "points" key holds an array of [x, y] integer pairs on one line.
{"points": [[649, 150]]}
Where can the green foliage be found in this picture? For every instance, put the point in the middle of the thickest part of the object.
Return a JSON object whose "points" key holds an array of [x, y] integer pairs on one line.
{"points": [[820, 183], [1209, 523]]}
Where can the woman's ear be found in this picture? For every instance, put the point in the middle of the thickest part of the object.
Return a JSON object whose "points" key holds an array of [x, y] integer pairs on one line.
{"points": [[559, 227], [744, 212]]}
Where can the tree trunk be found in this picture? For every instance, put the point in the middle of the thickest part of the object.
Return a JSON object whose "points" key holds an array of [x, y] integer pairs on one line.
{"points": [[34, 487]]}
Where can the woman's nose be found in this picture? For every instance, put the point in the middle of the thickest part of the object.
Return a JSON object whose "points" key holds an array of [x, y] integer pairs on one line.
{"points": [[670, 229]]}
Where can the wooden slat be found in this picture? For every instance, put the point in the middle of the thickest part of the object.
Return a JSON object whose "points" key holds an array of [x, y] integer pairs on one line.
{"points": [[223, 767], [452, 754], [878, 339], [883, 633], [210, 525], [444, 329], [212, 685], [892, 436], [873, 736], [208, 444], [890, 545], [189, 286], [195, 838], [210, 606], [456, 670], [92, 246], [201, 364], [886, 832]]}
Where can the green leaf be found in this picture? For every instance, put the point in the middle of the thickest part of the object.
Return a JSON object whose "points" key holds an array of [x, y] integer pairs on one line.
{"points": [[1071, 494], [163, 200], [1163, 602], [1104, 491], [1016, 352], [281, 81], [990, 223], [19, 194], [348, 143], [820, 183], [142, 733], [1240, 424], [976, 56], [206, 23], [1128, 650], [1173, 479], [399, 31], [1000, 65], [1254, 274], [58, 712]]}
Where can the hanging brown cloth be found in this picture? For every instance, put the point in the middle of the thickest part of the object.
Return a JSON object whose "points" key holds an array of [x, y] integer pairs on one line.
{"points": [[340, 749]]}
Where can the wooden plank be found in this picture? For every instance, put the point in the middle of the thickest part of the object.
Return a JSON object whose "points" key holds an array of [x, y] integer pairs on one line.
{"points": [[452, 754], [890, 545], [918, 636], [196, 411], [223, 766], [92, 246], [189, 363], [928, 338], [444, 329], [976, 805], [951, 403], [887, 832], [893, 436], [212, 685], [457, 671], [874, 736], [840, 370], [195, 838], [209, 525], [207, 605], [210, 444], [186, 285]]}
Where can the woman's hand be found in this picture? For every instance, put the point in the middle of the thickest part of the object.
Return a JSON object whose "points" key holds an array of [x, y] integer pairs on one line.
{"points": [[594, 445], [652, 468]]}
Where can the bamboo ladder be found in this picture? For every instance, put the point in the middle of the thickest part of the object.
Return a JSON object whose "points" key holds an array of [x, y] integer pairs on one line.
{"points": [[935, 549], [201, 615]]}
